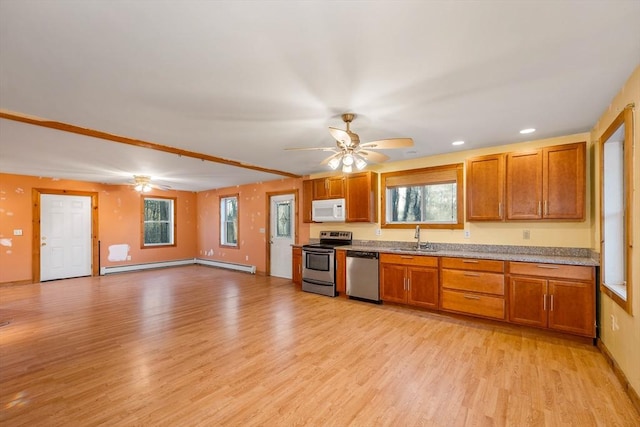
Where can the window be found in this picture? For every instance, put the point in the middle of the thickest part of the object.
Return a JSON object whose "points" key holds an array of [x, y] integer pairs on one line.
{"points": [[158, 217], [429, 197], [616, 170], [229, 220]]}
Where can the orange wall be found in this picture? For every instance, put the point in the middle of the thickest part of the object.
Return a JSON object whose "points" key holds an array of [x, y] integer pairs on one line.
{"points": [[252, 206], [118, 219]]}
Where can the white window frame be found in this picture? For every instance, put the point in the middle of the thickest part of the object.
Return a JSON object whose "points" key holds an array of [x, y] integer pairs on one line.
{"points": [[224, 238], [171, 221]]}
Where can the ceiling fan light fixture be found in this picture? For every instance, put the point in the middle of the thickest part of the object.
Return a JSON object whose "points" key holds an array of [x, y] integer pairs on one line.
{"points": [[360, 163], [334, 163], [346, 168], [347, 159]]}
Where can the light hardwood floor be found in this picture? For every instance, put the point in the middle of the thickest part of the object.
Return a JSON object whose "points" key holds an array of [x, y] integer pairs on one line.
{"points": [[203, 346]]}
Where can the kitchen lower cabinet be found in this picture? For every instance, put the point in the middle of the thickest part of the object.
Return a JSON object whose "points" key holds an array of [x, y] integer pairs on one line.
{"points": [[473, 286], [341, 272], [558, 297], [296, 265], [409, 279]]}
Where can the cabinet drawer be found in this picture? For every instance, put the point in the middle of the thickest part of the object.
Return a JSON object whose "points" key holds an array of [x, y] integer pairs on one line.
{"points": [[473, 264], [575, 272], [488, 283], [419, 260], [470, 303]]}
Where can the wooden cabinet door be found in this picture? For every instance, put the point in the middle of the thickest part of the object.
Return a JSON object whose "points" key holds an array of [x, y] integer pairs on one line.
{"points": [[572, 307], [524, 185], [341, 271], [485, 188], [320, 189], [296, 267], [307, 199], [361, 197], [335, 188], [392, 283], [563, 186], [423, 286], [528, 302]]}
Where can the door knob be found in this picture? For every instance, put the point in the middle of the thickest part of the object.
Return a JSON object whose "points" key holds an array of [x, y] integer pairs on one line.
{"points": [[44, 244]]}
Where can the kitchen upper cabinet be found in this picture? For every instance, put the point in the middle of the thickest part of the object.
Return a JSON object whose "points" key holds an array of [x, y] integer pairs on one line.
{"points": [[296, 267], [485, 188], [362, 196], [408, 279], [307, 199], [546, 184], [328, 188], [559, 297]]}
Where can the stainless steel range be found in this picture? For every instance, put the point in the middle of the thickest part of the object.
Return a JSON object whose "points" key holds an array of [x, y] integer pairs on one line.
{"points": [[319, 262]]}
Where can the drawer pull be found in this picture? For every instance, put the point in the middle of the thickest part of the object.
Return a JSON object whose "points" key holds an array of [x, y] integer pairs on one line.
{"points": [[551, 302], [406, 257], [550, 267], [472, 274], [470, 261], [474, 297], [544, 302]]}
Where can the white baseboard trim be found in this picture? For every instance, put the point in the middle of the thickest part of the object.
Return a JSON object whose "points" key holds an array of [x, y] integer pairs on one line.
{"points": [[228, 265], [208, 262], [147, 266]]}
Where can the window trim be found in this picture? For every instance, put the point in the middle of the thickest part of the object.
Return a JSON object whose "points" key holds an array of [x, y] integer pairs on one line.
{"points": [[174, 222], [228, 196], [624, 118], [432, 170]]}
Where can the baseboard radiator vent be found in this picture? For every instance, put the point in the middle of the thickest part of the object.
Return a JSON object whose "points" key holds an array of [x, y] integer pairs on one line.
{"points": [[229, 265], [147, 266]]}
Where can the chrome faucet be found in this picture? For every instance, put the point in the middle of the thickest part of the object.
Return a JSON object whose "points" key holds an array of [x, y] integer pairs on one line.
{"points": [[417, 236]]}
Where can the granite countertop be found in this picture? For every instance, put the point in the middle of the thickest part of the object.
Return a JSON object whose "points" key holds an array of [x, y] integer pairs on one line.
{"points": [[501, 256]]}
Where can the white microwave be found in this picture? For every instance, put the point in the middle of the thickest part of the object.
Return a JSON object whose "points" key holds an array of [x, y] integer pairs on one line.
{"points": [[331, 210]]}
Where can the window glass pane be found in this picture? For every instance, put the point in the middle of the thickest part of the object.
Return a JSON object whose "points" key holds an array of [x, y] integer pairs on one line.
{"points": [[440, 203], [283, 210], [229, 221], [158, 221], [436, 203]]}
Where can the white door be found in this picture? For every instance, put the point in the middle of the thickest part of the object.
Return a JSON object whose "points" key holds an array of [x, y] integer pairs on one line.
{"points": [[282, 228], [65, 236]]}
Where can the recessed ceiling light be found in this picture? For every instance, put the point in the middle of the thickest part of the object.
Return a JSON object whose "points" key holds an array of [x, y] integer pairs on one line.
{"points": [[529, 130], [457, 143]]}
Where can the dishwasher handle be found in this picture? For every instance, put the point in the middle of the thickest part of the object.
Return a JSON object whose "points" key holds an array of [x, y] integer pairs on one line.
{"points": [[362, 254]]}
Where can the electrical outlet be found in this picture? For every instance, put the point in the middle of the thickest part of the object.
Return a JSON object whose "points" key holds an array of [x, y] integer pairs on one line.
{"points": [[467, 234], [614, 323], [378, 232], [246, 258], [526, 234]]}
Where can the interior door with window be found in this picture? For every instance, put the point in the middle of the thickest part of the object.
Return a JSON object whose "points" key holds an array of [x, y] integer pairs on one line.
{"points": [[282, 234], [65, 236]]}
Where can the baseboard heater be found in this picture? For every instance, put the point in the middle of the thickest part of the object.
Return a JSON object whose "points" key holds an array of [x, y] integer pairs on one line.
{"points": [[151, 265], [229, 265]]}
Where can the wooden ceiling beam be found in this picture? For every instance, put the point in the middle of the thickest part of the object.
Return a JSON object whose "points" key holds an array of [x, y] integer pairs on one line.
{"points": [[66, 127]]}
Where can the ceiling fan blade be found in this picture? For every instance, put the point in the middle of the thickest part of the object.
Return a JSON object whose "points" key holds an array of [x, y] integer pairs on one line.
{"points": [[340, 136], [328, 159], [388, 143], [372, 156], [312, 149]]}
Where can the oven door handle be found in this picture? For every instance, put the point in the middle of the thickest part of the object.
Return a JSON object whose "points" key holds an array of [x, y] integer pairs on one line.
{"points": [[318, 251]]}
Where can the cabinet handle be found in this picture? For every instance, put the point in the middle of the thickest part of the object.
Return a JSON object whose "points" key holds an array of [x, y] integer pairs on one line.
{"points": [[539, 208], [408, 284], [550, 267], [544, 302], [474, 297], [470, 261], [472, 274], [546, 207], [500, 209], [551, 302], [404, 283]]}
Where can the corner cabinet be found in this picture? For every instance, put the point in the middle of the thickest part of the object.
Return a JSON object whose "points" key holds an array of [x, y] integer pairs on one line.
{"points": [[408, 279], [547, 184], [307, 199], [485, 188], [558, 297], [296, 265], [362, 196]]}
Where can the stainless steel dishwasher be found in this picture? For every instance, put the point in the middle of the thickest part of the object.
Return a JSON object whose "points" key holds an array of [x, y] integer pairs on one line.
{"points": [[362, 275]]}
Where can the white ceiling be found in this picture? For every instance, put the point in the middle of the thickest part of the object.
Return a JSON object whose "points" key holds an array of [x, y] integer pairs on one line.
{"points": [[243, 80]]}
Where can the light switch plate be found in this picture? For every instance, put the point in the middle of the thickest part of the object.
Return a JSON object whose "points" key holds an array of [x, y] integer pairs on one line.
{"points": [[17, 232]]}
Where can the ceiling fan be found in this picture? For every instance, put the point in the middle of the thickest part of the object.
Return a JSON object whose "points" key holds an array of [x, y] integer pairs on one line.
{"points": [[350, 151], [143, 184]]}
